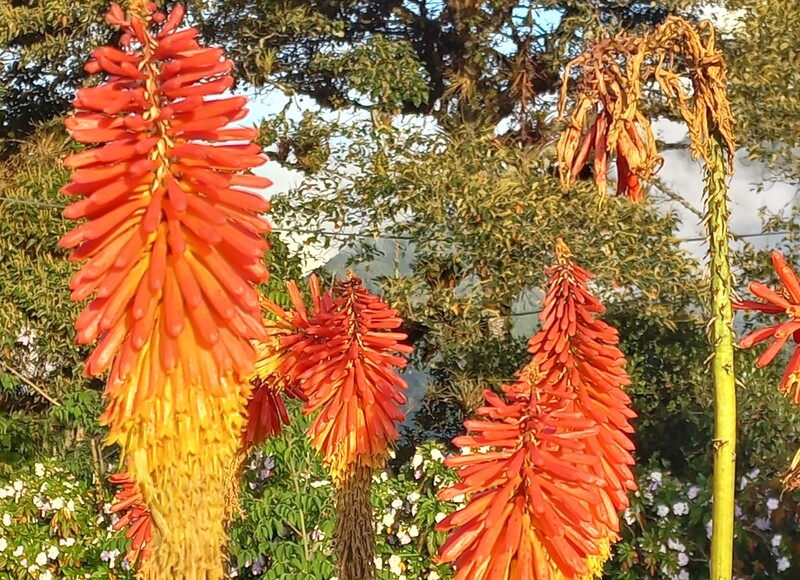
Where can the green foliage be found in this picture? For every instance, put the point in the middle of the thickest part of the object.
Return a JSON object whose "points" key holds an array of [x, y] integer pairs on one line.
{"points": [[54, 524]]}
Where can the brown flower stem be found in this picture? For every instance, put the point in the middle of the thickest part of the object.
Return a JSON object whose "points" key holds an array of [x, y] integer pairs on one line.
{"points": [[354, 536], [717, 214]]}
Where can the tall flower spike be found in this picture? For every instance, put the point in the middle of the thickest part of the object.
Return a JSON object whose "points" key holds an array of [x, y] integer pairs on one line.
{"points": [[578, 353], [173, 244], [784, 301], [544, 502], [342, 354]]}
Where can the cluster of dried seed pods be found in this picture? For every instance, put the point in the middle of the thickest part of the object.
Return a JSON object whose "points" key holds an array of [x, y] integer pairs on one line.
{"points": [[544, 501], [173, 244]]}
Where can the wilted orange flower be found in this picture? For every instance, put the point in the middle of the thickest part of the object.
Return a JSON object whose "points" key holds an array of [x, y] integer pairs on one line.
{"points": [[785, 301], [607, 103], [544, 502], [136, 516], [173, 243]]}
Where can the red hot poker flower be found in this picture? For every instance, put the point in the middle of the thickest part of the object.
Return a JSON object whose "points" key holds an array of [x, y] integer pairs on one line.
{"points": [[172, 245], [136, 517], [565, 425], [784, 301], [578, 354], [532, 497]]}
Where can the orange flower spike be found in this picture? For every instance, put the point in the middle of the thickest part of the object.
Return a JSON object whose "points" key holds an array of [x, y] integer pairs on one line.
{"points": [[785, 301], [579, 355], [347, 375], [530, 499], [173, 244], [136, 517]]}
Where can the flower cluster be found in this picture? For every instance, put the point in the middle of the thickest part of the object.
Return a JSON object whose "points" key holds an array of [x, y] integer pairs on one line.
{"points": [[783, 302], [341, 356], [546, 498], [608, 106], [173, 244]]}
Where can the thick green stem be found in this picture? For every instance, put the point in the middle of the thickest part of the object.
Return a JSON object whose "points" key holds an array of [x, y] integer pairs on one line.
{"points": [[724, 381]]}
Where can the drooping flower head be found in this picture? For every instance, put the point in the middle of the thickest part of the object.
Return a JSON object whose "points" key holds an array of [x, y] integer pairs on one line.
{"points": [[544, 501], [173, 245], [606, 121]]}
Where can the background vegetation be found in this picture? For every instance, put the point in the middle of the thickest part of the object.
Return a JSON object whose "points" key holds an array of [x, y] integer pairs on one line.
{"points": [[429, 125]]}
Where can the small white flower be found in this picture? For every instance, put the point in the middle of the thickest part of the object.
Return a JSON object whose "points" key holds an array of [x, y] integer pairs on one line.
{"points": [[416, 461], [41, 558], [662, 511], [392, 454], [384, 476], [413, 497], [6, 520], [18, 485], [71, 506], [68, 542], [413, 531], [683, 559], [378, 563], [53, 552], [484, 449], [693, 492], [404, 539], [656, 477], [680, 509], [388, 519], [776, 540], [753, 473], [742, 483], [459, 498], [46, 575], [464, 451], [3, 544], [439, 517], [629, 517], [18, 552], [683, 575], [676, 545], [434, 575], [772, 504], [32, 568], [24, 562], [396, 564], [57, 503], [436, 455], [783, 564], [39, 470], [3, 493], [320, 483], [397, 503]]}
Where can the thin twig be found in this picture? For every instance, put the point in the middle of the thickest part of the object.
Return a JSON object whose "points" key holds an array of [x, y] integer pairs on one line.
{"points": [[28, 382]]}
